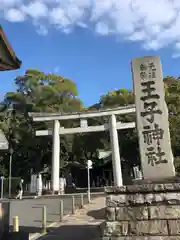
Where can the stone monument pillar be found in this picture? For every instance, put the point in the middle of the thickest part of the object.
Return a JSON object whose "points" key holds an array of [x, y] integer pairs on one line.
{"points": [[149, 210], [152, 119]]}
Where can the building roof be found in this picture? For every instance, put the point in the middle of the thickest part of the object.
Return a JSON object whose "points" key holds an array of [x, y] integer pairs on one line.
{"points": [[13, 62]]}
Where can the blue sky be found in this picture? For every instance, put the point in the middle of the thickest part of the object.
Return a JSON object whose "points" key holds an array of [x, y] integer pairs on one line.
{"points": [[82, 40]]}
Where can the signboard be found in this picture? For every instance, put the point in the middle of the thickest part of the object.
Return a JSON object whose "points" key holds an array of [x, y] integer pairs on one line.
{"points": [[152, 119]]}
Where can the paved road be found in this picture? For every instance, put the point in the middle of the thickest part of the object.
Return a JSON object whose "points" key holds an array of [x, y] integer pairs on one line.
{"points": [[76, 232], [84, 225], [30, 210]]}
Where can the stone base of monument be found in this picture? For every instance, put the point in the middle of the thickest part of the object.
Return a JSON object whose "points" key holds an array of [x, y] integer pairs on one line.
{"points": [[142, 212], [175, 179]]}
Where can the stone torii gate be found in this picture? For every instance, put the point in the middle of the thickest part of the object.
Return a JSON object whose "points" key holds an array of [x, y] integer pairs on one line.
{"points": [[112, 126]]}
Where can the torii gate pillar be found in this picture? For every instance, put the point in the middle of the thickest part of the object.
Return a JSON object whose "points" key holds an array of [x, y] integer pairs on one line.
{"points": [[116, 161], [55, 157]]}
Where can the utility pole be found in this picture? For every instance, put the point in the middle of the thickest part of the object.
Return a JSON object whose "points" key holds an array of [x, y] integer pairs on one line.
{"points": [[11, 118], [10, 170]]}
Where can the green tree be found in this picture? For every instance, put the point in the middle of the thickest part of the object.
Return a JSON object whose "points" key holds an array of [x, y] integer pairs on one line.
{"points": [[120, 97], [37, 92], [172, 87]]}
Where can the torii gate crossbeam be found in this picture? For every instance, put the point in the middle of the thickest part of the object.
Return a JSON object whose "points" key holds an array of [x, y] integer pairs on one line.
{"points": [[42, 117], [100, 128]]}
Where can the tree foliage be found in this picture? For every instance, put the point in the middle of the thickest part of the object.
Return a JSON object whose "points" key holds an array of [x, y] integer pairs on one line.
{"points": [[37, 91], [172, 86]]}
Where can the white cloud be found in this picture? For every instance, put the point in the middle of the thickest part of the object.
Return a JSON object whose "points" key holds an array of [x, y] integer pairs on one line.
{"points": [[42, 30], [35, 9], [102, 28], [153, 44], [137, 36], [9, 3], [153, 23], [67, 30], [153, 11], [82, 25], [14, 15], [176, 55], [58, 17], [177, 45], [100, 8]]}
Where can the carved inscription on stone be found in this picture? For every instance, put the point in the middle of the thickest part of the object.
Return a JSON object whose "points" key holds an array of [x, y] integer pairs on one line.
{"points": [[152, 118]]}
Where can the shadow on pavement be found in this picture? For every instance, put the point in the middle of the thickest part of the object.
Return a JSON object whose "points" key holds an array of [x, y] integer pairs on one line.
{"points": [[74, 232], [33, 229], [28, 229], [97, 214], [15, 236]]}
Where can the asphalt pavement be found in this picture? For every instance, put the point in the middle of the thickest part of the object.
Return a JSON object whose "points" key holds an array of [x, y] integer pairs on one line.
{"points": [[84, 225], [29, 211]]}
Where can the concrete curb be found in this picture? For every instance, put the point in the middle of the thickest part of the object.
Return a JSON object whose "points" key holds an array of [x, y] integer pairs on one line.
{"points": [[54, 196], [67, 194]]}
